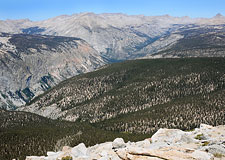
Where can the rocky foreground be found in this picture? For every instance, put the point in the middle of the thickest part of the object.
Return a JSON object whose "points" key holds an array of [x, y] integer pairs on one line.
{"points": [[204, 143]]}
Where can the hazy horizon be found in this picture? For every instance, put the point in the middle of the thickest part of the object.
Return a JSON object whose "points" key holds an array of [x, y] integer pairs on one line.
{"points": [[108, 13], [36, 10]]}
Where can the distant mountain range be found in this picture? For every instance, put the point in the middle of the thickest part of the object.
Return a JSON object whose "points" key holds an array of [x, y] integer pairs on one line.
{"points": [[36, 55], [120, 36]]}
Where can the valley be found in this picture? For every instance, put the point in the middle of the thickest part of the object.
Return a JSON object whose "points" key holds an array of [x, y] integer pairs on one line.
{"points": [[90, 78], [37, 55]]}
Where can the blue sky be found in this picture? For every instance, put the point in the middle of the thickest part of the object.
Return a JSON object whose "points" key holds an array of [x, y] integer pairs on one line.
{"points": [[43, 9]]}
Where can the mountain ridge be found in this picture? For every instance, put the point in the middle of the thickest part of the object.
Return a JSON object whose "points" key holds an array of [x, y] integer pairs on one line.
{"points": [[119, 33], [138, 85]]}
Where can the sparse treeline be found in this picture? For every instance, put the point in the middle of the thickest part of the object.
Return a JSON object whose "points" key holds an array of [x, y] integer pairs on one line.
{"points": [[134, 86], [185, 113]]}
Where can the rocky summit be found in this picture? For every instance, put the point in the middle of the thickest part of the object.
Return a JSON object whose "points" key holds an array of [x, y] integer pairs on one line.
{"points": [[204, 143]]}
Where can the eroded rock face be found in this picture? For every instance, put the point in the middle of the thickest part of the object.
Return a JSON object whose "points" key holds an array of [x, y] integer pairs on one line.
{"points": [[171, 145], [32, 64]]}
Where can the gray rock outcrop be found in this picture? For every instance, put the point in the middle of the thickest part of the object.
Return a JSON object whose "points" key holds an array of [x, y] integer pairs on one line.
{"points": [[118, 143], [171, 145]]}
